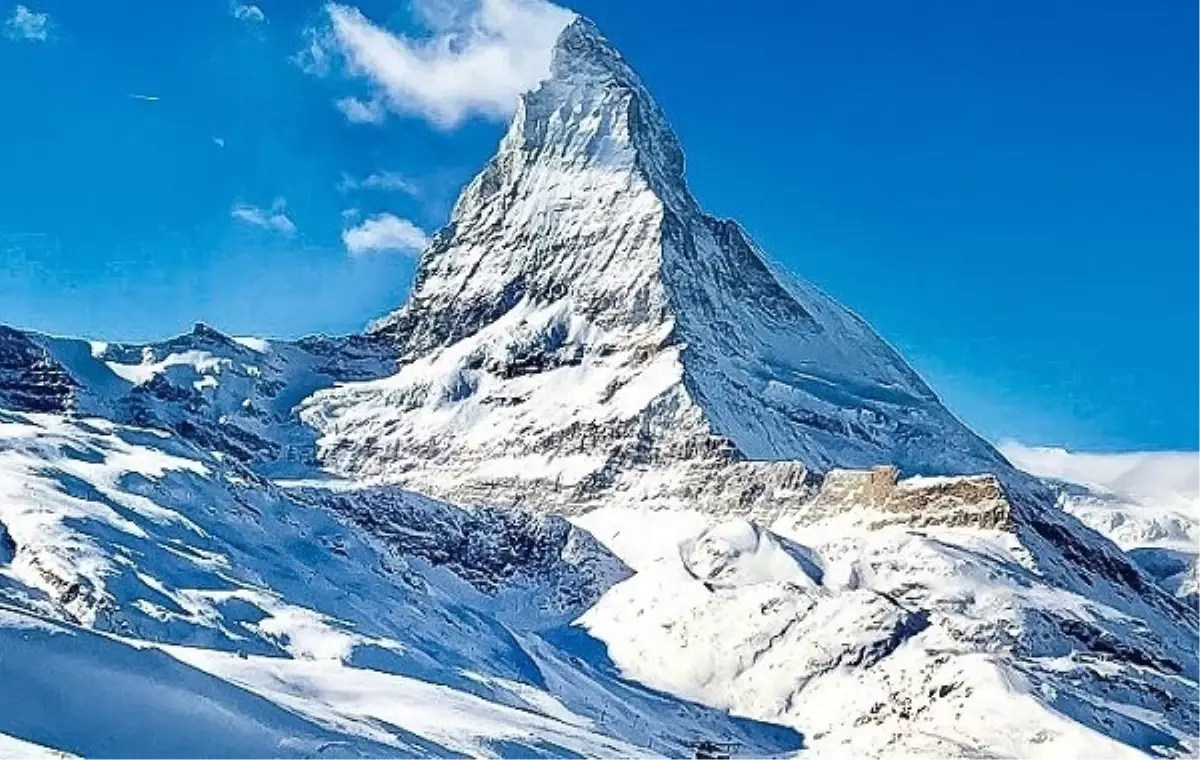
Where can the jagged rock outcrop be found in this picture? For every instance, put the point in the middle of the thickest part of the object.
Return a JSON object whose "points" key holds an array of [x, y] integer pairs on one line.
{"points": [[524, 560], [8, 547], [30, 379], [977, 501]]}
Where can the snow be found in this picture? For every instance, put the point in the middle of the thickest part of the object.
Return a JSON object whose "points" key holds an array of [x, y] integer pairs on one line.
{"points": [[866, 638], [112, 699], [463, 398], [374, 705], [16, 749], [255, 344], [1148, 503], [737, 553], [351, 646], [199, 362]]}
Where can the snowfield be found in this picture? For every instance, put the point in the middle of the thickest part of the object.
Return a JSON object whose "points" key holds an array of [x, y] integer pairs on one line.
{"points": [[934, 643]]}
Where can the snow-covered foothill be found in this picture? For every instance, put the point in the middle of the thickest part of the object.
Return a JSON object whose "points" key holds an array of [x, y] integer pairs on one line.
{"points": [[878, 641], [141, 535]]}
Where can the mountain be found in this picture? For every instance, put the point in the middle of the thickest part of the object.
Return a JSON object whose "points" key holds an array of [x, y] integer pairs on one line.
{"points": [[608, 484], [29, 378], [1148, 503], [228, 394], [581, 328]]}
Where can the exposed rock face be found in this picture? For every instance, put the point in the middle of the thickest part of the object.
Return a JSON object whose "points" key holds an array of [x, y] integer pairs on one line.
{"points": [[977, 501], [30, 379], [581, 328], [549, 565], [8, 547], [761, 491]]}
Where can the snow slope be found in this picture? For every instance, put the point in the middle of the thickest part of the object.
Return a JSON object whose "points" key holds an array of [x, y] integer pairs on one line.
{"points": [[891, 641], [117, 699], [353, 643]]}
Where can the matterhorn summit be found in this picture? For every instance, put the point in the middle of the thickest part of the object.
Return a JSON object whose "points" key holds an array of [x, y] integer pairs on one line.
{"points": [[582, 327]]}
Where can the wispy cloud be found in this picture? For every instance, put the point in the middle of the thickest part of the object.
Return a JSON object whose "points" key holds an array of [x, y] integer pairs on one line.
{"points": [[478, 59], [26, 24], [274, 219], [219, 142], [361, 111], [384, 181], [147, 98], [315, 57], [1162, 477], [247, 12], [385, 232]]}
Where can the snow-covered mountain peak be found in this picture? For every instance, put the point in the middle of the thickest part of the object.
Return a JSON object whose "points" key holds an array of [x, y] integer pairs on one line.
{"points": [[582, 52], [582, 316], [747, 468], [570, 207], [594, 92]]}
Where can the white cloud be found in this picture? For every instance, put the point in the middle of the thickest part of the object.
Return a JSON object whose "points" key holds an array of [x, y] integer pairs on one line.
{"points": [[142, 96], [1162, 477], [314, 58], [385, 232], [384, 181], [274, 219], [247, 12], [219, 142], [478, 60], [25, 24], [361, 111]]}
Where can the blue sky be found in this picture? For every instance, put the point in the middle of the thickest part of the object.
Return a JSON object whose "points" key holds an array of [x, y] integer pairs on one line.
{"points": [[1005, 190]]}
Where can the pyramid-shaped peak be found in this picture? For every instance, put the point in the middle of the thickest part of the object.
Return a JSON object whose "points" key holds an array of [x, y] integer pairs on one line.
{"points": [[582, 308], [593, 109], [582, 51]]}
